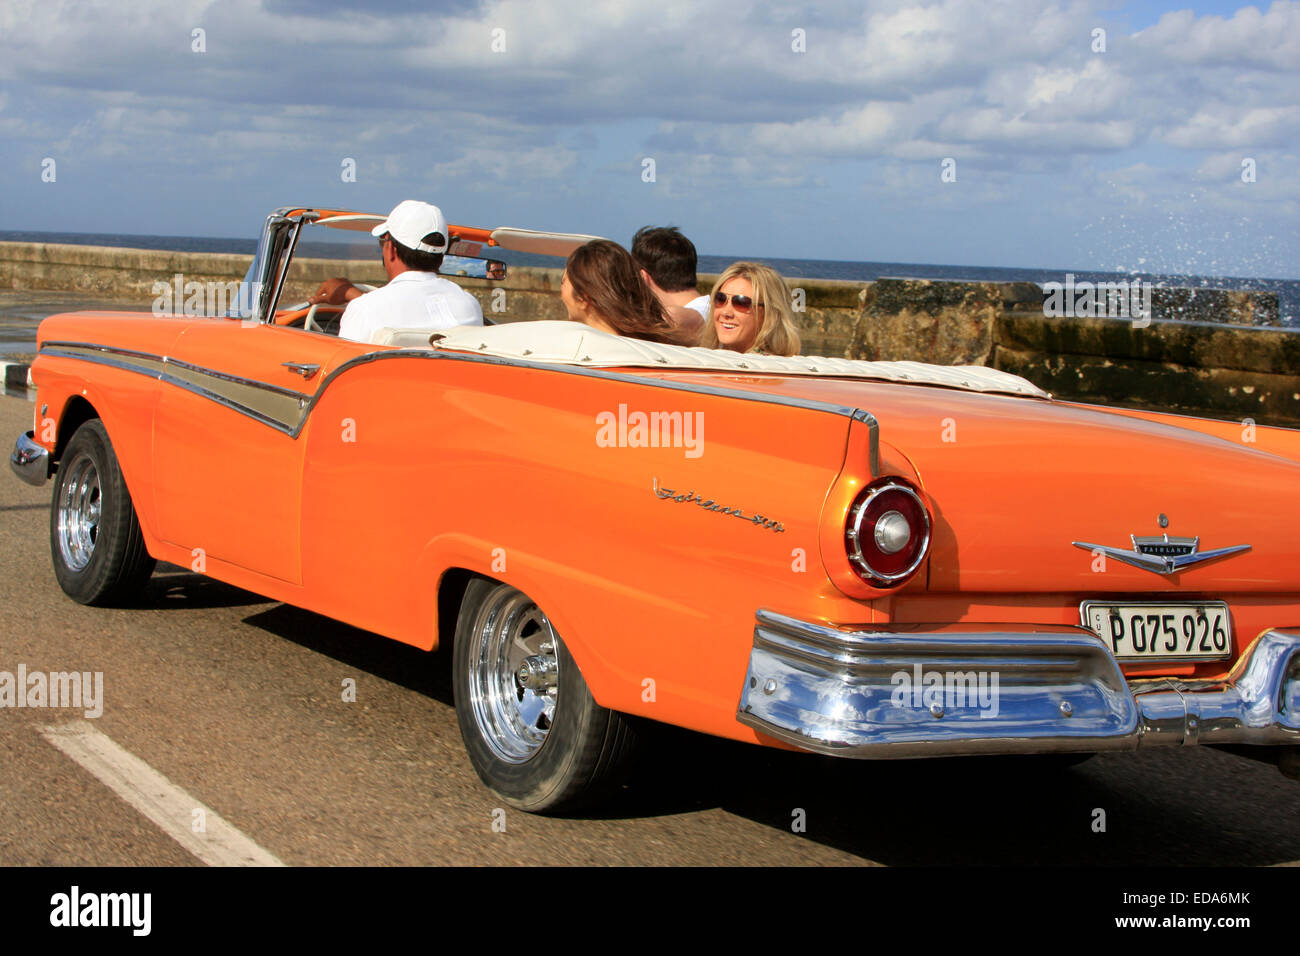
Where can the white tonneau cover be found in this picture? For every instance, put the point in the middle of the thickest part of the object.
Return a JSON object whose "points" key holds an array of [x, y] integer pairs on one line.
{"points": [[572, 343]]}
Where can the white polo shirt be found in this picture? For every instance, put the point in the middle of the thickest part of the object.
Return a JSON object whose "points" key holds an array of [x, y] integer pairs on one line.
{"points": [[701, 305], [413, 300]]}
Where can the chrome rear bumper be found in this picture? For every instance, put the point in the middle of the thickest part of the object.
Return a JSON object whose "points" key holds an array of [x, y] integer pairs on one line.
{"points": [[917, 691], [29, 461]]}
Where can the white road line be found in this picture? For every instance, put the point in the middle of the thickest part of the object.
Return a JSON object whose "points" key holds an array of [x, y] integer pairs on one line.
{"points": [[153, 795]]}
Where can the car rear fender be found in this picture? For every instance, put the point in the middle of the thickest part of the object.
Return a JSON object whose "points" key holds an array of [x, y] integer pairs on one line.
{"points": [[452, 560], [866, 458]]}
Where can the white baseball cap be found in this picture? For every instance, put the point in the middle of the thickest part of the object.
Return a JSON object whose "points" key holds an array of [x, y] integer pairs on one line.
{"points": [[411, 221]]}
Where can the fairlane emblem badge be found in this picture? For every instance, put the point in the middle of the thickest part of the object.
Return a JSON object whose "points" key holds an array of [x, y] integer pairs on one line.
{"points": [[1161, 553], [708, 504]]}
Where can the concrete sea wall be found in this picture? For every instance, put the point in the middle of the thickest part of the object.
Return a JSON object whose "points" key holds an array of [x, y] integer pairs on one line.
{"points": [[1223, 360], [1223, 364]]}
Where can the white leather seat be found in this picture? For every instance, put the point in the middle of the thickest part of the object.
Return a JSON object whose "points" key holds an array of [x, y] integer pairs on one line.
{"points": [[572, 343]]}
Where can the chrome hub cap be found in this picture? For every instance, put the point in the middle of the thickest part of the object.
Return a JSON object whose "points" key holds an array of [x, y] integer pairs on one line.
{"points": [[78, 514], [514, 675]]}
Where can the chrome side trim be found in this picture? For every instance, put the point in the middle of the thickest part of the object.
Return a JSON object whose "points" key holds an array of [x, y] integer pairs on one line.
{"points": [[94, 347], [295, 428], [288, 428], [786, 400], [155, 366], [237, 379], [871, 692], [30, 461], [60, 349], [106, 359], [873, 438]]}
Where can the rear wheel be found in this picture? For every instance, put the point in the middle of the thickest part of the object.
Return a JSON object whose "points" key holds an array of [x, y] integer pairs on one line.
{"points": [[95, 540], [534, 733]]}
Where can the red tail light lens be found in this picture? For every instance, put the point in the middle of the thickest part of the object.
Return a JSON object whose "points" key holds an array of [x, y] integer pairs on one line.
{"points": [[888, 532]]}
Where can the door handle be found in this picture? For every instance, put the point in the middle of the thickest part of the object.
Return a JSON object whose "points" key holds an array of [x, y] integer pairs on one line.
{"points": [[305, 369]]}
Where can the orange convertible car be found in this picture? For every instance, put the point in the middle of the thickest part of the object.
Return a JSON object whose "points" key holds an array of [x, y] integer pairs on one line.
{"points": [[856, 558]]}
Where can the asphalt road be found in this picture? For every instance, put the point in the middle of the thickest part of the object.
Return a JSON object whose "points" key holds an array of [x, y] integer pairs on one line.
{"points": [[239, 701]]}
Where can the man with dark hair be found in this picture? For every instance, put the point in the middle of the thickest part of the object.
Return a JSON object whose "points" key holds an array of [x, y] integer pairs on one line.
{"points": [[667, 262], [412, 241]]}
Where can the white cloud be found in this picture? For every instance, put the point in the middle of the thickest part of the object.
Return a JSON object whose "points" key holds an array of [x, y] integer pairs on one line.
{"points": [[867, 129], [1249, 39], [885, 89], [507, 167], [1221, 124]]}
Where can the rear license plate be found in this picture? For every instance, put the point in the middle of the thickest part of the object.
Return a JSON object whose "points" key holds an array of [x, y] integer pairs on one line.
{"points": [[1175, 632]]}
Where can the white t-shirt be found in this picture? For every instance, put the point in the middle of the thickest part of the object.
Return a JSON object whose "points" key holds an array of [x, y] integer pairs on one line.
{"points": [[413, 300], [700, 305]]}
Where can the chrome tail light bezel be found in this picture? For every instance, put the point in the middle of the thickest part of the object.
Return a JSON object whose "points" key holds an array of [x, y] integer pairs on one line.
{"points": [[853, 532]]}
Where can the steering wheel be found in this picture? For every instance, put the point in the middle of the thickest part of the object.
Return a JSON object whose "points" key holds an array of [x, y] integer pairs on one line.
{"points": [[306, 311]]}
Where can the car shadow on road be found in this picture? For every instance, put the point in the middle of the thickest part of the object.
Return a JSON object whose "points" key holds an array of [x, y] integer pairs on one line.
{"points": [[177, 586], [1170, 807], [393, 661], [1173, 807]]}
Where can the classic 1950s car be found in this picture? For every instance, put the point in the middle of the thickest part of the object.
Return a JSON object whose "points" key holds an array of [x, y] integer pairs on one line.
{"points": [[856, 558]]}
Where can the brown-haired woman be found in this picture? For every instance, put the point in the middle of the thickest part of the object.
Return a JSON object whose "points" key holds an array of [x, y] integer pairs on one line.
{"points": [[602, 288]]}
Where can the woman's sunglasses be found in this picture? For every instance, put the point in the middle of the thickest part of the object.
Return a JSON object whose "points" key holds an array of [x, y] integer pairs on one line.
{"points": [[741, 303]]}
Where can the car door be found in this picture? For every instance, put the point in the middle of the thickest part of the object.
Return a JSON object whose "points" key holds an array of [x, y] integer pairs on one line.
{"points": [[228, 458]]}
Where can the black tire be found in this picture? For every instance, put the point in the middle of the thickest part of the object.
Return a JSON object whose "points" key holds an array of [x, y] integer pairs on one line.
{"points": [[95, 541], [537, 761]]}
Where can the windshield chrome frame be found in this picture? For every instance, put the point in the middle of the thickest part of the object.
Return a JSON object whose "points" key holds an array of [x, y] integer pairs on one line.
{"points": [[275, 249]]}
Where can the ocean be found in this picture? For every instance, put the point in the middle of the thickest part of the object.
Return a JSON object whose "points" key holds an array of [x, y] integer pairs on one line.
{"points": [[1288, 290]]}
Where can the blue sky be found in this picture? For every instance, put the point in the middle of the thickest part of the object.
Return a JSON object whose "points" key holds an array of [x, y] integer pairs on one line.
{"points": [[805, 130]]}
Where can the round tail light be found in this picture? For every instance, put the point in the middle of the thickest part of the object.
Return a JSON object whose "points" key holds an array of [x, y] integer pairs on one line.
{"points": [[888, 533]]}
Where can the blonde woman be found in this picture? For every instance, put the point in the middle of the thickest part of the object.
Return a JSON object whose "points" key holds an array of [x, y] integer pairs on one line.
{"points": [[749, 311]]}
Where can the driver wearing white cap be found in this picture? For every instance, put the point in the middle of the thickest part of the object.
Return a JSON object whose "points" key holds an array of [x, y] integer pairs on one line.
{"points": [[412, 241]]}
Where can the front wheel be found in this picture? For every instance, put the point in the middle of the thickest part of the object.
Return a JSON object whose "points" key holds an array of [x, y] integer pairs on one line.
{"points": [[95, 540], [534, 733]]}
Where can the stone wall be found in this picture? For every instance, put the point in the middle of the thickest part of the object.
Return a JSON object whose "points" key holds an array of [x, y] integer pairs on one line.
{"points": [[106, 272], [1217, 365], [1200, 368], [1214, 369], [948, 323]]}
